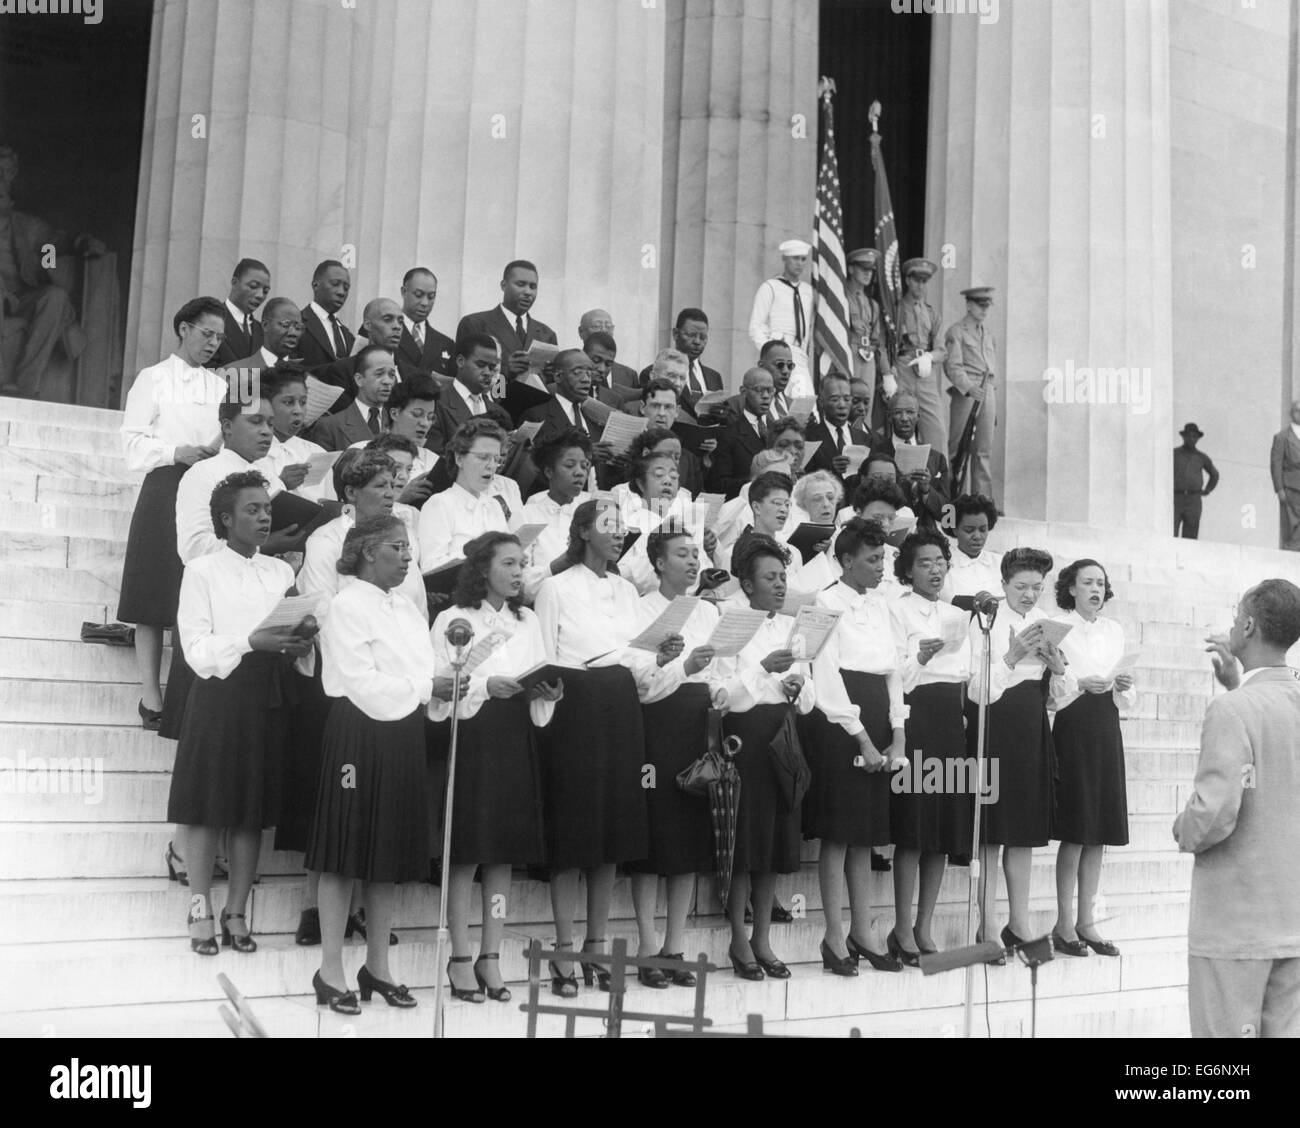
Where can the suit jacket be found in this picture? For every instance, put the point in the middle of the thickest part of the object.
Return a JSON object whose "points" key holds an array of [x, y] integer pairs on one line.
{"points": [[237, 343], [712, 382], [1284, 461], [818, 432], [438, 354], [341, 374], [555, 420], [493, 322], [341, 429], [1240, 821], [254, 361], [929, 514], [451, 412], [737, 445], [622, 375], [316, 345]]}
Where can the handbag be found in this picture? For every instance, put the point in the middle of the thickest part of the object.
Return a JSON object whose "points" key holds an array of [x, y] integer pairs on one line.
{"points": [[110, 634], [697, 777], [793, 775]]}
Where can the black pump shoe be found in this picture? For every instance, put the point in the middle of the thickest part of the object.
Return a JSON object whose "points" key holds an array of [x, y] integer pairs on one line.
{"points": [[340, 1002], [395, 995], [1101, 947], [244, 944], [308, 932], [599, 971], [880, 963], [565, 986], [879, 863], [678, 978], [150, 719], [750, 971], [1069, 947], [909, 959], [773, 968], [496, 994], [846, 965], [357, 924], [175, 866]]}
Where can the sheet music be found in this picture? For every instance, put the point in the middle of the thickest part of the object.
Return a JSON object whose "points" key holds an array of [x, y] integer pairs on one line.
{"points": [[809, 450], [482, 649], [320, 464], [670, 622], [734, 630], [525, 432], [955, 634], [540, 354], [708, 400], [909, 459], [320, 398], [714, 502], [802, 406], [1126, 664], [812, 627], [292, 610], [1054, 631], [527, 534], [856, 455], [621, 428]]}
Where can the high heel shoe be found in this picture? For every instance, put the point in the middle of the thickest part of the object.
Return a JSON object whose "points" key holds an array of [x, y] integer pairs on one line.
{"points": [[202, 945], [1074, 947], [175, 866], [308, 931], [652, 977], [1101, 947], [150, 719], [745, 970], [244, 944], [357, 924], [678, 978], [340, 1002], [909, 959], [467, 994], [600, 972], [837, 965], [496, 994], [394, 994], [773, 968], [880, 963], [566, 986], [1010, 940]]}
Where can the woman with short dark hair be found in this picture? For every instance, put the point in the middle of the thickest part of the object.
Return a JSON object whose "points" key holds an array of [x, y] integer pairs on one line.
{"points": [[471, 506], [563, 464], [975, 568]]}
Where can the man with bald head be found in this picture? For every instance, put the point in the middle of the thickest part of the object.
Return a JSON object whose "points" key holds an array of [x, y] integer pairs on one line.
{"points": [[927, 491], [281, 332], [744, 435], [422, 349]]}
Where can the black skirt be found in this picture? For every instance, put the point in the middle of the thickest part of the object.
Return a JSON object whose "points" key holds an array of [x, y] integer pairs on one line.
{"points": [[1092, 796], [1019, 768], [371, 817], [846, 804], [497, 815], [228, 768], [151, 571], [592, 755], [176, 693], [302, 756], [932, 800], [767, 835], [681, 831]]}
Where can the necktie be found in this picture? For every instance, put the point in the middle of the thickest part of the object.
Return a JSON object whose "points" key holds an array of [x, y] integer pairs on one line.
{"points": [[697, 384], [476, 405], [840, 439], [578, 421], [762, 430], [248, 328], [373, 421], [519, 329], [798, 311], [419, 335], [340, 345]]}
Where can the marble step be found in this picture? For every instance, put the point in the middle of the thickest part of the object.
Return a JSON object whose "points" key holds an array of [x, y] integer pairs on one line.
{"points": [[15, 409], [83, 520], [58, 702], [69, 661], [123, 748], [103, 467], [63, 489], [1160, 764], [62, 439], [35, 619], [55, 584]]}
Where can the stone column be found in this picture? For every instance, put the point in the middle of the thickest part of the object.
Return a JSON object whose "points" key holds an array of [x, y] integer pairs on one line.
{"points": [[441, 133], [1048, 176], [740, 159]]}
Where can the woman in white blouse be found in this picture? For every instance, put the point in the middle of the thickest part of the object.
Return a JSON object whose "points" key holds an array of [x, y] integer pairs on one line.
{"points": [[654, 501], [594, 750], [170, 423], [1092, 797], [677, 728], [817, 498], [763, 693], [470, 507], [370, 823], [855, 742], [497, 813], [934, 657], [974, 569], [1016, 812], [770, 505], [285, 386], [563, 464], [227, 771]]}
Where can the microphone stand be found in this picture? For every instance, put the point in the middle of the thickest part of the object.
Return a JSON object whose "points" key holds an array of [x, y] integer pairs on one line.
{"points": [[459, 656], [984, 619]]}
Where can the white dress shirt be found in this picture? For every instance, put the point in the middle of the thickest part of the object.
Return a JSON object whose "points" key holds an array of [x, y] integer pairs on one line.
{"points": [[1001, 676], [476, 403], [1091, 651], [322, 313], [195, 535], [449, 520], [863, 640], [749, 685], [224, 596], [515, 317], [695, 633], [294, 451], [542, 509], [914, 617], [969, 575], [268, 357], [170, 405], [376, 652], [320, 576], [638, 516], [242, 319], [519, 650]]}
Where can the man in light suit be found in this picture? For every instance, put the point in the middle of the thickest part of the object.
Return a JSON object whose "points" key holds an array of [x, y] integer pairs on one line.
{"points": [[281, 331], [422, 348], [363, 418], [1284, 465], [1243, 939], [598, 322], [325, 338], [511, 323], [249, 287]]}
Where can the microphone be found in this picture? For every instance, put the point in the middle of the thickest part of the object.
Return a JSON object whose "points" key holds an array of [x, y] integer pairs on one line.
{"points": [[985, 603], [459, 636]]}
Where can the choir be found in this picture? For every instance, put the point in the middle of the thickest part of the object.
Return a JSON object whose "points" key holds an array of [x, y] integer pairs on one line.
{"points": [[578, 710]]}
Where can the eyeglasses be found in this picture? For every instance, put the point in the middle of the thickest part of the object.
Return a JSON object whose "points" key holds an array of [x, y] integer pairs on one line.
{"points": [[401, 546], [485, 457], [208, 334]]}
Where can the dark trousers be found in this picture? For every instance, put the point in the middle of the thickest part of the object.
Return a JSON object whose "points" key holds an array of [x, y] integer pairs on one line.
{"points": [[1187, 514]]}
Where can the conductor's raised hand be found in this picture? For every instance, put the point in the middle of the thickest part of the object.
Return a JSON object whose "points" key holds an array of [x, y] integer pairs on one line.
{"points": [[1226, 668]]}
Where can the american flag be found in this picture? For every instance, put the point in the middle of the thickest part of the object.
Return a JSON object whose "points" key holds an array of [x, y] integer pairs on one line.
{"points": [[888, 275], [831, 331]]}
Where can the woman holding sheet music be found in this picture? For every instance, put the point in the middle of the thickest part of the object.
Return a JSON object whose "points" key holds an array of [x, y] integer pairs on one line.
{"points": [[472, 506], [764, 692], [655, 502], [370, 823], [594, 749], [855, 741], [497, 814], [563, 464], [1092, 800], [227, 771], [677, 731]]}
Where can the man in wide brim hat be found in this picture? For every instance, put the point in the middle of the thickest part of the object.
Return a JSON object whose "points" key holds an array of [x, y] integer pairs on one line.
{"points": [[1192, 468]]}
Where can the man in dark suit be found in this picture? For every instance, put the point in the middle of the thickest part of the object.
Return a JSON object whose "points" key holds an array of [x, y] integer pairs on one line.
{"points": [[690, 335], [325, 338], [249, 286], [927, 491], [478, 363], [363, 418], [564, 412], [744, 436], [510, 323], [598, 322], [660, 406], [422, 348], [777, 358], [381, 324], [1284, 465], [612, 383], [833, 430], [281, 331]]}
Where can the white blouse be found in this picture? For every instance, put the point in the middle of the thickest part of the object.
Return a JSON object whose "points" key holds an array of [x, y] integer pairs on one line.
{"points": [[292, 452], [637, 515], [914, 618], [319, 573], [376, 652], [170, 405], [969, 575], [749, 685], [1002, 677], [224, 596], [453, 518], [521, 649], [542, 509], [195, 535], [696, 632], [1091, 650], [863, 640]]}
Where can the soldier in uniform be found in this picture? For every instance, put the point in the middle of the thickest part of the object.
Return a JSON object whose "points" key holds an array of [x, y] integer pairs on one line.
{"points": [[915, 316], [783, 311], [864, 321], [970, 369]]}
